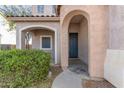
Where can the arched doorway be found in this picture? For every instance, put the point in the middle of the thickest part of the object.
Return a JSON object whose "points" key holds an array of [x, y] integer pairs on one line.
{"points": [[74, 35], [97, 23], [78, 44], [97, 18], [43, 37]]}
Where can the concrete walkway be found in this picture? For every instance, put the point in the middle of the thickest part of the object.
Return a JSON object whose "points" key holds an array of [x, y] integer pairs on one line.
{"points": [[67, 79]]}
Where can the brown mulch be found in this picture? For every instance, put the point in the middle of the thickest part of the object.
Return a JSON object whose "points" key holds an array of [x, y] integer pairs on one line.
{"points": [[96, 84]]}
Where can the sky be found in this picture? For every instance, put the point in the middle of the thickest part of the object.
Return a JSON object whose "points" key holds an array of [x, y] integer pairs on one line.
{"points": [[6, 37], [9, 37]]}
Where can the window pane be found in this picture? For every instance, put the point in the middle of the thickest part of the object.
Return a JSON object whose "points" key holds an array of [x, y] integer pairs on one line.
{"points": [[45, 42], [53, 9], [40, 8]]}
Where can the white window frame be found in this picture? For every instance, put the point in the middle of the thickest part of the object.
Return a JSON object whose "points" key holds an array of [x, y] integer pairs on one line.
{"points": [[50, 42], [38, 11]]}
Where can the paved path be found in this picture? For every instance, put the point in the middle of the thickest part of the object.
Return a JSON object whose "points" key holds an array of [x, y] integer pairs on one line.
{"points": [[67, 79]]}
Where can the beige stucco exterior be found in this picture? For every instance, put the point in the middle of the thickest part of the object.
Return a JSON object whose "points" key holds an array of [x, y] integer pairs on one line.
{"points": [[114, 63], [36, 40], [83, 37], [92, 32], [97, 17], [116, 27], [52, 28]]}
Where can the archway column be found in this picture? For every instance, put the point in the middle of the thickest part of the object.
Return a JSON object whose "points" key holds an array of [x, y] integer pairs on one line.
{"points": [[23, 40], [97, 45], [64, 36], [20, 40], [64, 48], [56, 57]]}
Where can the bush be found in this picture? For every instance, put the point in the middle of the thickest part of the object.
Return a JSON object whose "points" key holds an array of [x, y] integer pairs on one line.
{"points": [[22, 68]]}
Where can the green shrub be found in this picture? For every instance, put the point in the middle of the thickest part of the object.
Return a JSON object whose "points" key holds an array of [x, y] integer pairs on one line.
{"points": [[21, 68]]}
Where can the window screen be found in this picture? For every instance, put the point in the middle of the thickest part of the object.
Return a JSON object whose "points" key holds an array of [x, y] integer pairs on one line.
{"points": [[46, 42], [40, 8]]}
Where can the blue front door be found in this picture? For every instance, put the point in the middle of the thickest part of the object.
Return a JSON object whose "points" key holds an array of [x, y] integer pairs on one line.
{"points": [[73, 45]]}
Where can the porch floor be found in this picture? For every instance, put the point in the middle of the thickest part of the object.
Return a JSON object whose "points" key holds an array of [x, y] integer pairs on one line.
{"points": [[76, 76], [79, 67]]}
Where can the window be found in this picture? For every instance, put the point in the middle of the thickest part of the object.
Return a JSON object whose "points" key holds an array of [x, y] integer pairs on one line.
{"points": [[46, 42], [40, 8], [53, 9]]}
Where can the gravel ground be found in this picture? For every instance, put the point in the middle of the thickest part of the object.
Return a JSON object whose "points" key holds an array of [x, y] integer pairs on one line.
{"points": [[96, 84]]}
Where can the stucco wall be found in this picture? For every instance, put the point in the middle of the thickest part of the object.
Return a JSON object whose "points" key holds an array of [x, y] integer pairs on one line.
{"points": [[113, 67], [20, 26], [116, 30], [83, 41], [97, 17], [74, 28], [36, 36]]}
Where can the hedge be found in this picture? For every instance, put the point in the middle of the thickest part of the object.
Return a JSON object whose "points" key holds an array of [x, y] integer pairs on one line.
{"points": [[22, 68]]}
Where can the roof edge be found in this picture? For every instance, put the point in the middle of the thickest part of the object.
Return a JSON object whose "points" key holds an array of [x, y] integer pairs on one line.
{"points": [[33, 19]]}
